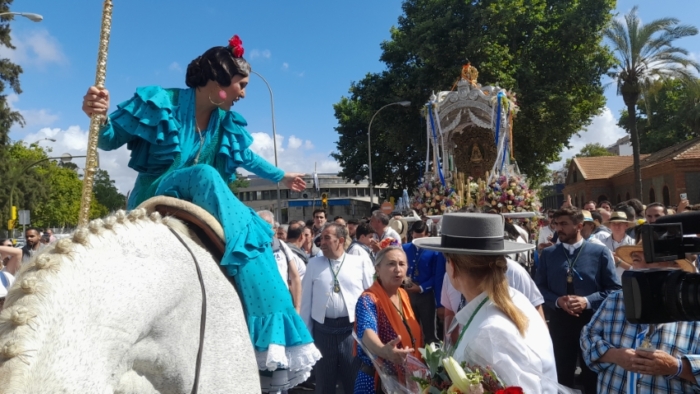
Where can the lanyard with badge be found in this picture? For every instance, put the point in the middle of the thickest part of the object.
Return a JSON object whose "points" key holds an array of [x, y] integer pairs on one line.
{"points": [[336, 284], [572, 265]]}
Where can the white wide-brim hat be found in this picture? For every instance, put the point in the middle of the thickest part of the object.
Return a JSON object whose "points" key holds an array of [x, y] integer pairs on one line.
{"points": [[472, 233]]}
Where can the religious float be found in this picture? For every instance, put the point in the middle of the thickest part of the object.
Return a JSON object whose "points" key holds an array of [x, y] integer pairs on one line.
{"points": [[470, 145]]}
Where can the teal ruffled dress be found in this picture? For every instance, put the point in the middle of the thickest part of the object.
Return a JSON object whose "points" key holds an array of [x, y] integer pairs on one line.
{"points": [[158, 127]]}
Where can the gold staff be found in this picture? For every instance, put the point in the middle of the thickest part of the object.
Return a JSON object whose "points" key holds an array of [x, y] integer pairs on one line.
{"points": [[96, 120]]}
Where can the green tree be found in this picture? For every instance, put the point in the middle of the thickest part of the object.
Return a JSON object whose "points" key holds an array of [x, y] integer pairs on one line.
{"points": [[25, 182], [669, 116], [9, 76], [240, 182], [62, 206], [548, 52], [106, 193], [645, 53]]}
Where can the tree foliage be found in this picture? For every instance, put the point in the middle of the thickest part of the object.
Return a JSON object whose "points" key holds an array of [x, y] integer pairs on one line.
{"points": [[644, 54], [668, 116], [106, 193], [548, 52]]}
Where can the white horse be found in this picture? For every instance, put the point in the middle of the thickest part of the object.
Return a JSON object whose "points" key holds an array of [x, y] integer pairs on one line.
{"points": [[116, 309]]}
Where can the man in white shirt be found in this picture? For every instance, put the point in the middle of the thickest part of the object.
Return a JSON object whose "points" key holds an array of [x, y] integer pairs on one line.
{"points": [[618, 223], [361, 246], [331, 287], [380, 224], [545, 238], [286, 264]]}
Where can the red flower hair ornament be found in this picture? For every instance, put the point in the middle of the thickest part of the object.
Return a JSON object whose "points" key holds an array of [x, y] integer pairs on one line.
{"points": [[236, 46]]}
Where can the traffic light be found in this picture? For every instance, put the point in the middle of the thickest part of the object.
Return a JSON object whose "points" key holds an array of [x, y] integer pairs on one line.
{"points": [[324, 200], [11, 225], [13, 215]]}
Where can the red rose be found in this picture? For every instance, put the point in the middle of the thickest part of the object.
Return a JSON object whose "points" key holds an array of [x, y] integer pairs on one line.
{"points": [[236, 46], [510, 390]]}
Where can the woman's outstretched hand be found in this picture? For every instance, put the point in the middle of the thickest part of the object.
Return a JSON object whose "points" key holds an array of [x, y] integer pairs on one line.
{"points": [[394, 354], [294, 182], [96, 101]]}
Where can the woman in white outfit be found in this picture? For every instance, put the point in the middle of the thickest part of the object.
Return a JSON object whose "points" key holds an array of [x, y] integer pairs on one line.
{"points": [[500, 326]]}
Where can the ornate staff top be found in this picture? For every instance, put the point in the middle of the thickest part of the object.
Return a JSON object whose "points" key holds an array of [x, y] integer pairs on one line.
{"points": [[96, 120]]}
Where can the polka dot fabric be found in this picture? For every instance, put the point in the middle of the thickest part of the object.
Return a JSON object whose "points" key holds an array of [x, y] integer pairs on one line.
{"points": [[368, 316], [160, 132]]}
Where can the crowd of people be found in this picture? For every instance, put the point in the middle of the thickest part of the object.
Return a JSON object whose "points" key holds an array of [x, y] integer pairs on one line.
{"points": [[467, 281]]}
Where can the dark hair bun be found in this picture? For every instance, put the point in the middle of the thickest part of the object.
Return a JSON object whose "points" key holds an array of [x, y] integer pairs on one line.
{"points": [[195, 74], [216, 64]]}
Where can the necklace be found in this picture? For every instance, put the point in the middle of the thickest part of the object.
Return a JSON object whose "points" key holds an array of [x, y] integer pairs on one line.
{"points": [[399, 309], [336, 284], [201, 143], [461, 334], [572, 266]]}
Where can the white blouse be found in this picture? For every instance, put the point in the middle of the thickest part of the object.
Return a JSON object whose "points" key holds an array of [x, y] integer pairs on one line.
{"points": [[493, 339]]}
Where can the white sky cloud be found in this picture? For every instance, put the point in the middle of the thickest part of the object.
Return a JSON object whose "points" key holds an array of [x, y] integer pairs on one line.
{"points": [[33, 118], [36, 47], [603, 130], [260, 54], [73, 140], [175, 66], [285, 66], [294, 142], [295, 157]]}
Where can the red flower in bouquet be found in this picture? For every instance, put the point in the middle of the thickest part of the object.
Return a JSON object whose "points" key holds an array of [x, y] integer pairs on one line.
{"points": [[388, 242], [236, 46], [510, 390]]}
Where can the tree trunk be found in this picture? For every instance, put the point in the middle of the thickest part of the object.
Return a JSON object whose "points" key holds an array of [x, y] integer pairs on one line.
{"points": [[634, 136]]}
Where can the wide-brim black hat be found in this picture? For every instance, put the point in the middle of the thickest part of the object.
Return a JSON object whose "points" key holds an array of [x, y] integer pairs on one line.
{"points": [[472, 233]]}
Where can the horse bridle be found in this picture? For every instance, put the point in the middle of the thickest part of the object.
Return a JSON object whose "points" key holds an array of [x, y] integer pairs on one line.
{"points": [[203, 318]]}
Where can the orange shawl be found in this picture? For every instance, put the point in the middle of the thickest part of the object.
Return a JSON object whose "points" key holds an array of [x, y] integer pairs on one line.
{"points": [[378, 295]]}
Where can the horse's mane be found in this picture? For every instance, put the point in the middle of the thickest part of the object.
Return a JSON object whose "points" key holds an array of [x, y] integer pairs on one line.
{"points": [[27, 297]]}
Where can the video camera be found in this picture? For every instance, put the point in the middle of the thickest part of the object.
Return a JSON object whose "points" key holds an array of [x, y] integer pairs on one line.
{"points": [[655, 296]]}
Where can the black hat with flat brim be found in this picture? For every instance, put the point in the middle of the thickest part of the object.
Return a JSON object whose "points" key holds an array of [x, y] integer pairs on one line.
{"points": [[472, 233]]}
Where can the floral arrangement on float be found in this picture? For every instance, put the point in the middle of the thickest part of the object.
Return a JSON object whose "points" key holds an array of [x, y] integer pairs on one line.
{"points": [[508, 193], [434, 198]]}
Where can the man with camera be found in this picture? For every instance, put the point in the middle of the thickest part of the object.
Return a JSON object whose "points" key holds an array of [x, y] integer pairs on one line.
{"points": [[641, 358]]}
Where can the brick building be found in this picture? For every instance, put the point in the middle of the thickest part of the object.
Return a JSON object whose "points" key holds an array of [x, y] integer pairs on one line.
{"points": [[665, 175]]}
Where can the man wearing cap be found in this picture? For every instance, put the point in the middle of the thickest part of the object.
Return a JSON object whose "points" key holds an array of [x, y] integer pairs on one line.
{"points": [[618, 223], [589, 227], [641, 358], [574, 277]]}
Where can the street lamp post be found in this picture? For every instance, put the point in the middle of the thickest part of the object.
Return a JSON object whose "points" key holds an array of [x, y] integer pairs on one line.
{"points": [[278, 212], [65, 158], [369, 147], [29, 15]]}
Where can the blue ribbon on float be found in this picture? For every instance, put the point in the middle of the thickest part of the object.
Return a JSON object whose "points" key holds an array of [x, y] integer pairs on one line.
{"points": [[498, 117], [432, 127], [506, 143]]}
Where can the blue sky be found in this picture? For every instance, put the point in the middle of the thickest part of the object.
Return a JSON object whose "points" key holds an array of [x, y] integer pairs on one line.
{"points": [[309, 51]]}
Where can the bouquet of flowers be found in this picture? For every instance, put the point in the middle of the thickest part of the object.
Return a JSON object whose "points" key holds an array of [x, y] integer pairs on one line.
{"points": [[432, 198], [509, 194], [386, 242], [445, 375]]}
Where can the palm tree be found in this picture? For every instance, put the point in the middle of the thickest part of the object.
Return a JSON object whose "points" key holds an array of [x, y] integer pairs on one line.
{"points": [[645, 53]]}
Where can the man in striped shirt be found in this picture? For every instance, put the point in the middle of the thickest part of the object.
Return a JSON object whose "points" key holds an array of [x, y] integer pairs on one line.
{"points": [[641, 358]]}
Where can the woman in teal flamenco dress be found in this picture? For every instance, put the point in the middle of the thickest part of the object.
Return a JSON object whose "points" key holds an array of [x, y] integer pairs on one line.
{"points": [[186, 143]]}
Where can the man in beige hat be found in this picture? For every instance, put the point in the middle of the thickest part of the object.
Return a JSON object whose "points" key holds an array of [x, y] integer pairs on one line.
{"points": [[618, 224], [641, 358]]}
